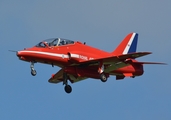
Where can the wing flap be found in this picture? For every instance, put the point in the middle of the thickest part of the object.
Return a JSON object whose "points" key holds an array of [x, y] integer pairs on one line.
{"points": [[115, 66]]}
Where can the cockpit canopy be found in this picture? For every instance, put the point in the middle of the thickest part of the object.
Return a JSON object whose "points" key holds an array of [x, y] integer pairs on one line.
{"points": [[54, 42]]}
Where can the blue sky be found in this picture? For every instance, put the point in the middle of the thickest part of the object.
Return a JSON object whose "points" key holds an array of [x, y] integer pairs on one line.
{"points": [[99, 23]]}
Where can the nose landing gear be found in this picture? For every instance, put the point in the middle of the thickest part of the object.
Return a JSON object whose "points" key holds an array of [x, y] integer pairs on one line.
{"points": [[33, 71]]}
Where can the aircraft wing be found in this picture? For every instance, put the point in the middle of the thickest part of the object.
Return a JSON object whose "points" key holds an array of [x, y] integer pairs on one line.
{"points": [[115, 62], [58, 77], [119, 58], [125, 56]]}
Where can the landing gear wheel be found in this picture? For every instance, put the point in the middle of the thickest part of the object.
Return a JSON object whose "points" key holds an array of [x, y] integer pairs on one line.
{"points": [[103, 77], [68, 89], [33, 72]]}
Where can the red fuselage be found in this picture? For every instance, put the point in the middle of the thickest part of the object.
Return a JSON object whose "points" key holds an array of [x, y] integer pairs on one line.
{"points": [[69, 56]]}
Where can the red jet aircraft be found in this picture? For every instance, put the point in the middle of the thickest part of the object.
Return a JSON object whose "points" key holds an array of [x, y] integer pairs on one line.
{"points": [[79, 61]]}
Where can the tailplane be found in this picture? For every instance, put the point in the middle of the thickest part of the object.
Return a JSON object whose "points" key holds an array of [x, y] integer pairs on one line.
{"points": [[136, 62], [128, 45]]}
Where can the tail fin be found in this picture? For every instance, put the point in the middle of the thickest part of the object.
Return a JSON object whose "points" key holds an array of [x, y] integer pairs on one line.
{"points": [[128, 45]]}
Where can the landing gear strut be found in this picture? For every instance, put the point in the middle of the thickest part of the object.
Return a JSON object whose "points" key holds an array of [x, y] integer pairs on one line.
{"points": [[33, 71], [67, 88]]}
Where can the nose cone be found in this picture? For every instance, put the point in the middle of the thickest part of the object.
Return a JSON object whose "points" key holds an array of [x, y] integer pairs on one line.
{"points": [[20, 55]]}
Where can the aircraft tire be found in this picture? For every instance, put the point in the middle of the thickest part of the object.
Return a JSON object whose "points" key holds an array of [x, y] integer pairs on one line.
{"points": [[103, 77], [33, 72], [68, 89]]}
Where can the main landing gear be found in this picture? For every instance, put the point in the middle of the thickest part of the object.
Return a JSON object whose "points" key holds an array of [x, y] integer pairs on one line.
{"points": [[103, 77], [67, 88], [33, 71]]}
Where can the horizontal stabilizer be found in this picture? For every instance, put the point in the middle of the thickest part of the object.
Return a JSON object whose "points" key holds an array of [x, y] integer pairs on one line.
{"points": [[148, 62]]}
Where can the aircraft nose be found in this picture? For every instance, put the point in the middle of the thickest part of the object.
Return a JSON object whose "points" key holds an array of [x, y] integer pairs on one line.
{"points": [[18, 53]]}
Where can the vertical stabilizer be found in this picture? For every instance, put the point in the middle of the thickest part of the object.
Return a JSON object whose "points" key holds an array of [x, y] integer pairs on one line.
{"points": [[128, 45]]}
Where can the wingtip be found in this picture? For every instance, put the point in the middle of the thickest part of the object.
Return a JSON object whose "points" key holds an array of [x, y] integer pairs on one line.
{"points": [[159, 63], [148, 52], [164, 63]]}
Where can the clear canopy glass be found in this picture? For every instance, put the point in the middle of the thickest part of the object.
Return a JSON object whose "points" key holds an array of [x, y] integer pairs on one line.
{"points": [[54, 42]]}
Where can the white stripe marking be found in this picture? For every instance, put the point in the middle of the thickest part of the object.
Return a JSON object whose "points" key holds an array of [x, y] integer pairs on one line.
{"points": [[47, 53], [75, 56], [129, 44]]}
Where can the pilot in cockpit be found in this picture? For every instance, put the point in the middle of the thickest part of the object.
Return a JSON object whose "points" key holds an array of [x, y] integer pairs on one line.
{"points": [[62, 42]]}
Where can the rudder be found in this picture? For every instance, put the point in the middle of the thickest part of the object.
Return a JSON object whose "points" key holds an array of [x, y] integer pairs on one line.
{"points": [[128, 45]]}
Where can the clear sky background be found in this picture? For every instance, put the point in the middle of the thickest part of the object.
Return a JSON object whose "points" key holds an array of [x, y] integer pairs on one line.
{"points": [[99, 23]]}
